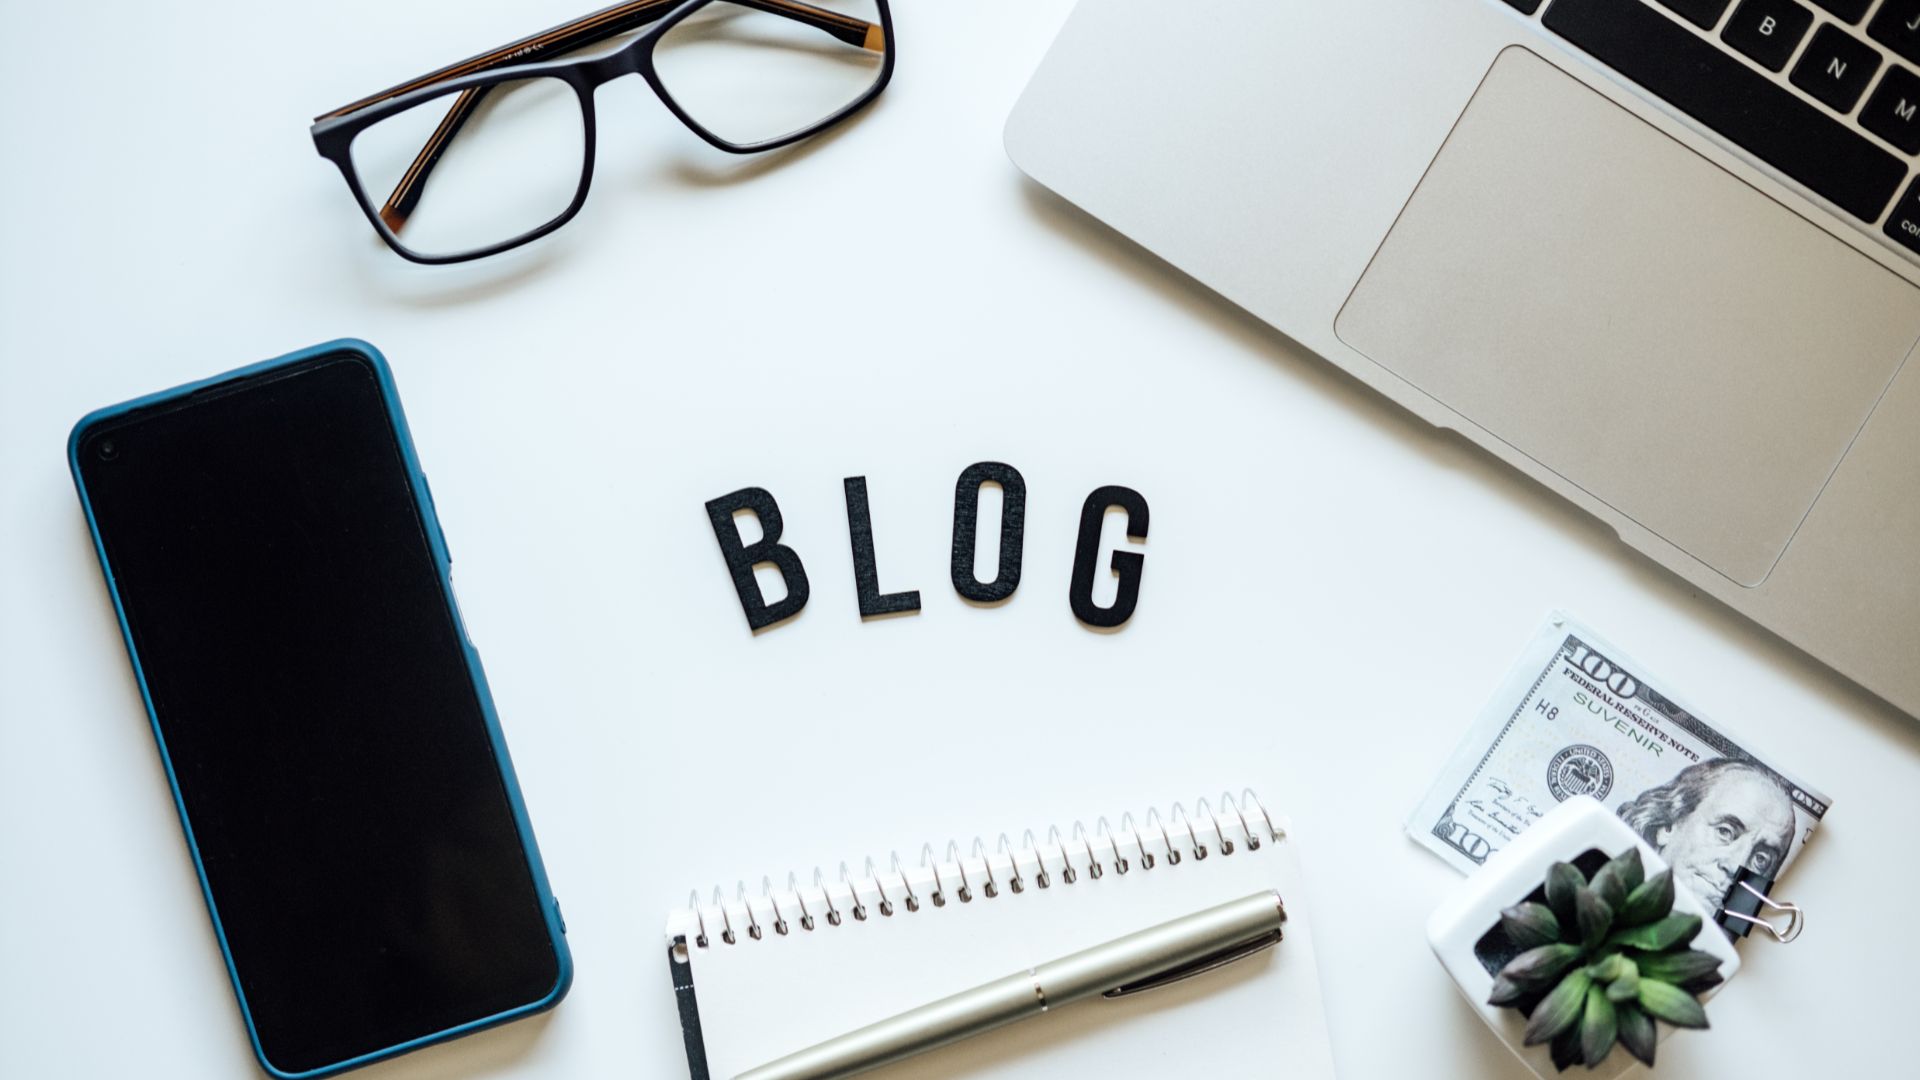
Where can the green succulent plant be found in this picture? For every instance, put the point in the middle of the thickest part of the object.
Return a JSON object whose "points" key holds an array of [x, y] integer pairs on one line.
{"points": [[1602, 960]]}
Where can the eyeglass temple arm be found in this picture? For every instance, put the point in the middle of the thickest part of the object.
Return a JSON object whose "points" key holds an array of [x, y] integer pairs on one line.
{"points": [[559, 40], [609, 22]]}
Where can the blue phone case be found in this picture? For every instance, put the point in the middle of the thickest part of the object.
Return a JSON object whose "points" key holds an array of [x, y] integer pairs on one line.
{"points": [[423, 502]]}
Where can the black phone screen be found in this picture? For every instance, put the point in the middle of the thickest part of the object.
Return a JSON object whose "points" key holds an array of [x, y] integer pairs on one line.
{"points": [[315, 705]]}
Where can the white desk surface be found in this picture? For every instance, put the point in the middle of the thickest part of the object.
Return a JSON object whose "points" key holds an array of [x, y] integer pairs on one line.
{"points": [[1331, 589]]}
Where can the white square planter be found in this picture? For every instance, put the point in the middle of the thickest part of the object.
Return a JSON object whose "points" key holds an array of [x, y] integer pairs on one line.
{"points": [[1568, 831]]}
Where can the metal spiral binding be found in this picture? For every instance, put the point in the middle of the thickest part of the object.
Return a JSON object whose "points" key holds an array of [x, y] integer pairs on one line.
{"points": [[1071, 860], [1017, 883]]}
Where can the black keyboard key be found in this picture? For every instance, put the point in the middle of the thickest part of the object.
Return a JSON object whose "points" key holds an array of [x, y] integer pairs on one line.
{"points": [[1836, 68], [1701, 13], [1893, 112], [1525, 6], [1850, 10], [1751, 110], [1904, 223], [1897, 26], [1768, 30]]}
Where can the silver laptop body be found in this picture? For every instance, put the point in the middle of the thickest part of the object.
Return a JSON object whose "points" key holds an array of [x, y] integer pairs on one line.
{"points": [[1605, 239]]}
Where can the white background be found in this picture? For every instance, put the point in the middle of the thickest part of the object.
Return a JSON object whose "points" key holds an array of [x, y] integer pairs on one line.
{"points": [[1331, 588]]}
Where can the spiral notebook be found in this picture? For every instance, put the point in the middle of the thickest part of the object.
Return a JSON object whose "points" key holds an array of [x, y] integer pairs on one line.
{"points": [[759, 973]]}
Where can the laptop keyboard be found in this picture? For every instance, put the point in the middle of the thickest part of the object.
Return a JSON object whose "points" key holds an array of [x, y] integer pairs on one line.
{"points": [[1735, 66]]}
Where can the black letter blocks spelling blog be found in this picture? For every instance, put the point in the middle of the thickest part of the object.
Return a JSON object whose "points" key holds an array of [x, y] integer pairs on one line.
{"points": [[742, 557]]}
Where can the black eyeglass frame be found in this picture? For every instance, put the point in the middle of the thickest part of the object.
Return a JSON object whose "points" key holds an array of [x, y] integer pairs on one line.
{"points": [[333, 134]]}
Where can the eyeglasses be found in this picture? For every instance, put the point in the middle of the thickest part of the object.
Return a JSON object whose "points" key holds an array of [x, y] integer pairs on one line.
{"points": [[508, 145]]}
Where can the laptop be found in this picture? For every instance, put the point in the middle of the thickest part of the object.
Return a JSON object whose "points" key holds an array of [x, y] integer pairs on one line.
{"points": [[1663, 256]]}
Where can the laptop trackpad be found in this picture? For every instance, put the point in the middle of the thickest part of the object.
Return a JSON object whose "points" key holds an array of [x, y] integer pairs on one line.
{"points": [[1632, 316]]}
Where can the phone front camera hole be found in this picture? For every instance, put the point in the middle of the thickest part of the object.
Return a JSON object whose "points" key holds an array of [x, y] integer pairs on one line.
{"points": [[108, 449]]}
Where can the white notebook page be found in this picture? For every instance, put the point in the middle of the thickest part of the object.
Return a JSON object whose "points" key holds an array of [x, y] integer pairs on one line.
{"points": [[760, 999]]}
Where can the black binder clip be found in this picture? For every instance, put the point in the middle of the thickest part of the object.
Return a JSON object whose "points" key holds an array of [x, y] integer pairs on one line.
{"points": [[1746, 900]]}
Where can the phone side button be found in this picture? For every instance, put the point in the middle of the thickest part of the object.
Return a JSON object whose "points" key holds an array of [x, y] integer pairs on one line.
{"points": [[559, 916]]}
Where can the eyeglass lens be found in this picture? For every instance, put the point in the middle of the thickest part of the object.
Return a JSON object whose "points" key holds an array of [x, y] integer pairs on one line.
{"points": [[749, 75], [474, 168]]}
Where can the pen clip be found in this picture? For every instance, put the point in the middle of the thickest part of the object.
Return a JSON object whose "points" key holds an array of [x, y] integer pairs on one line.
{"points": [[1199, 967]]}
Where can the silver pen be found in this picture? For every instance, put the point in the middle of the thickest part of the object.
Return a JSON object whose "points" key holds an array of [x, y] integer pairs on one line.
{"points": [[1166, 953]]}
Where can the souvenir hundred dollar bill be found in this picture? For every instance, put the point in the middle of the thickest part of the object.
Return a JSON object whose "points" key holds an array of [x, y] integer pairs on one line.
{"points": [[1578, 717]]}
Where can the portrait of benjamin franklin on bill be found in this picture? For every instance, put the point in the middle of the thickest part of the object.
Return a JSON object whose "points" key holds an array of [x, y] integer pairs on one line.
{"points": [[1712, 820]]}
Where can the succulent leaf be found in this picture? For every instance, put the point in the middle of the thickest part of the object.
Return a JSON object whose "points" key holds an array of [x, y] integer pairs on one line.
{"points": [[1626, 987], [1608, 967], [1566, 1048], [1563, 880], [1649, 901], [1529, 924], [1665, 1001], [1619, 877], [1506, 991], [1657, 936], [1678, 967], [1537, 968], [1594, 916], [1561, 1008], [1635, 1029], [1597, 1027]]}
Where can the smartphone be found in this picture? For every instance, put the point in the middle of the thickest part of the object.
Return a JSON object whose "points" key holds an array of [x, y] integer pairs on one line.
{"points": [[271, 549]]}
